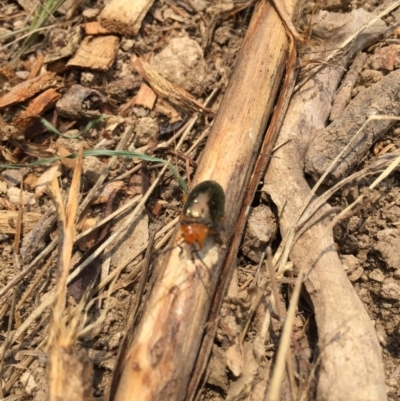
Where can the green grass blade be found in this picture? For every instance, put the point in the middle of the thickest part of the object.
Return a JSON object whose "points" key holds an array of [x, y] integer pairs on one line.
{"points": [[88, 127], [110, 153]]}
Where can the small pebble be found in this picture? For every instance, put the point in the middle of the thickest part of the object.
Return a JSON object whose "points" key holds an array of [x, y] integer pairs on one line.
{"points": [[390, 291], [377, 275]]}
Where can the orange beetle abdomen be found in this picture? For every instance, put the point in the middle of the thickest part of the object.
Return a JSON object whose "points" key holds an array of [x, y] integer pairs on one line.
{"points": [[194, 232]]}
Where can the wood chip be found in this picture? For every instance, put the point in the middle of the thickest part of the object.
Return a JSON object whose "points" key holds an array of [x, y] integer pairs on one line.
{"points": [[124, 16], [31, 181], [96, 53], [68, 163], [94, 28], [146, 97], [27, 89], [36, 66], [127, 107], [35, 109], [8, 220], [168, 90]]}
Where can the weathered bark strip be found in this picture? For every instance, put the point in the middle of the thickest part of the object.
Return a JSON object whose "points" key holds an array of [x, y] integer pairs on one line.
{"points": [[159, 363], [351, 365], [382, 98], [343, 95]]}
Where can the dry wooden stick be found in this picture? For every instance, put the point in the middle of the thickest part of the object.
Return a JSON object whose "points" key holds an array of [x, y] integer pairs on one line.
{"points": [[261, 164], [166, 343]]}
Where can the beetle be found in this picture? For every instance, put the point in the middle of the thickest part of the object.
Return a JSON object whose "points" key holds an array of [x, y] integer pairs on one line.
{"points": [[203, 213]]}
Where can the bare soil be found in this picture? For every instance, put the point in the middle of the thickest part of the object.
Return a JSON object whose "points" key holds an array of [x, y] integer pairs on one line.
{"points": [[193, 44]]}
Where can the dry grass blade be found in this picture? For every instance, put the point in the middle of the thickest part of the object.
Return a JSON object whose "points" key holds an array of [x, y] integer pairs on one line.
{"points": [[68, 373], [284, 345], [282, 253], [306, 211], [42, 12], [121, 230], [18, 232], [126, 136]]}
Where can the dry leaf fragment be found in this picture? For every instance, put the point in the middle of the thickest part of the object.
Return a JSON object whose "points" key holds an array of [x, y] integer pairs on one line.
{"points": [[13, 177], [80, 102], [89, 240], [168, 90], [27, 89]]}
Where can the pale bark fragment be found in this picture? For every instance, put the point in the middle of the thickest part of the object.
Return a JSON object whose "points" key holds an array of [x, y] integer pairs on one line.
{"points": [[96, 53], [125, 16], [145, 97], [95, 28]]}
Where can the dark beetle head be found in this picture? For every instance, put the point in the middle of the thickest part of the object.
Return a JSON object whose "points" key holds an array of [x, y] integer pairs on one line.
{"points": [[206, 204]]}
